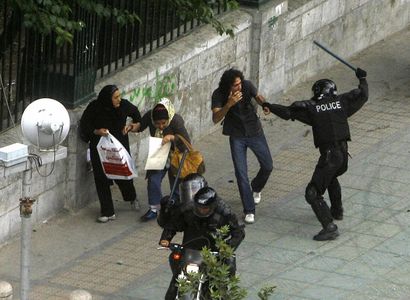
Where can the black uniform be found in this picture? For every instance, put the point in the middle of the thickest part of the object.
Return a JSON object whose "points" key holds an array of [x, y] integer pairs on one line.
{"points": [[197, 232], [328, 118]]}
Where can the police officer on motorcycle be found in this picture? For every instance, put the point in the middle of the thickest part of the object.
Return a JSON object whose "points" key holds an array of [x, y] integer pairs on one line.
{"points": [[198, 220], [172, 208], [328, 115]]}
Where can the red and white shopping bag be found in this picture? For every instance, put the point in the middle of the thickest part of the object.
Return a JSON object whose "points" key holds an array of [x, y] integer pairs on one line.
{"points": [[115, 159]]}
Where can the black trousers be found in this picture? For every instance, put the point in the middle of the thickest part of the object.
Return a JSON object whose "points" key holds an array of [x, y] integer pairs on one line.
{"points": [[103, 184], [332, 163]]}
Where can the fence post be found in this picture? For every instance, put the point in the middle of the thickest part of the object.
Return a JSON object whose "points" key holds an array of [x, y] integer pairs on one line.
{"points": [[80, 295], [6, 291]]}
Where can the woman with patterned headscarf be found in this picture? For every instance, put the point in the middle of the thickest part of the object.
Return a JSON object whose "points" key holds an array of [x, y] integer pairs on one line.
{"points": [[164, 123], [108, 114]]}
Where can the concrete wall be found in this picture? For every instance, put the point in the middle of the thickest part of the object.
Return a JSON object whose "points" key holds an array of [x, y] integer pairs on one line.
{"points": [[288, 55], [272, 46]]}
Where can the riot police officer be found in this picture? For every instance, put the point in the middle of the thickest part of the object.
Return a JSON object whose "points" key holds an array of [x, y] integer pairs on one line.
{"points": [[328, 115], [199, 220], [171, 208]]}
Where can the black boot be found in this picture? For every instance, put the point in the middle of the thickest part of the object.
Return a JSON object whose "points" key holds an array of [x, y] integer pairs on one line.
{"points": [[328, 233], [337, 214]]}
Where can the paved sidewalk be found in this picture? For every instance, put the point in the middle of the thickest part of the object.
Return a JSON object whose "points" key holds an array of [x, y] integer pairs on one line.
{"points": [[370, 259]]}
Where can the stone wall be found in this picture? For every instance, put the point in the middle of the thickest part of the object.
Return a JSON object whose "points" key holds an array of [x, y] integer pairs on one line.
{"points": [[288, 55], [272, 46]]}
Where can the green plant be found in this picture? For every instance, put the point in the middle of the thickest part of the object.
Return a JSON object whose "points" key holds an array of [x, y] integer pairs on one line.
{"points": [[56, 16], [214, 270], [203, 11], [265, 292]]}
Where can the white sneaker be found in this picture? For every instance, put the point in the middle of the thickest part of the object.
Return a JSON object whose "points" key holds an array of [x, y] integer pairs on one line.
{"points": [[135, 205], [257, 197], [249, 218], [104, 219]]}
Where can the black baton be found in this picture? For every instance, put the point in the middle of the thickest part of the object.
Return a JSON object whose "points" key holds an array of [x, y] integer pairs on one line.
{"points": [[335, 56], [181, 163]]}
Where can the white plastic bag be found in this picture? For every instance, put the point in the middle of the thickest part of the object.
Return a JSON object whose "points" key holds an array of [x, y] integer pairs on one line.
{"points": [[115, 159]]}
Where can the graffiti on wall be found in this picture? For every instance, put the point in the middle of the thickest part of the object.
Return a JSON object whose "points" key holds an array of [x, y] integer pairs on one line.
{"points": [[148, 95]]}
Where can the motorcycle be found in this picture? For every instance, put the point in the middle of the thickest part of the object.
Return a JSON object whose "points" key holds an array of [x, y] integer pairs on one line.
{"points": [[187, 261]]}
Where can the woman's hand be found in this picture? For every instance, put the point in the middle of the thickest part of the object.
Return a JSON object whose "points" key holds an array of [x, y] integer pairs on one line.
{"points": [[168, 138], [101, 132], [133, 127]]}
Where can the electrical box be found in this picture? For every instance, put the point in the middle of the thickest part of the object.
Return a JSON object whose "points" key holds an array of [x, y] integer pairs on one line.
{"points": [[13, 154]]}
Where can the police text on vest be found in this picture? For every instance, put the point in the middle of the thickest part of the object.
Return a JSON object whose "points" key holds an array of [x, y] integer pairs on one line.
{"points": [[328, 106]]}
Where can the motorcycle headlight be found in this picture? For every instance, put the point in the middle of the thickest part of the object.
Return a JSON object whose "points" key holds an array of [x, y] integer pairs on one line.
{"points": [[194, 268]]}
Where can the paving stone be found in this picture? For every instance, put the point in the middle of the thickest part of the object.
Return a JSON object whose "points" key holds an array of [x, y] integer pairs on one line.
{"points": [[279, 255], [344, 281], [377, 229], [348, 222], [373, 199], [261, 265], [323, 292], [283, 285], [364, 241], [261, 237], [346, 252], [396, 244], [383, 259], [310, 276], [291, 242], [389, 289], [278, 226], [363, 270], [400, 275], [359, 211]]}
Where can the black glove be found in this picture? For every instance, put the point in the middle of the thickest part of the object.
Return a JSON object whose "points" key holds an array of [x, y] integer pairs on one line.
{"points": [[360, 73], [165, 201]]}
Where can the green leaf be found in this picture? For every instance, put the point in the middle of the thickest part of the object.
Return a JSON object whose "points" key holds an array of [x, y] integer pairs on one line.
{"points": [[61, 22], [56, 9]]}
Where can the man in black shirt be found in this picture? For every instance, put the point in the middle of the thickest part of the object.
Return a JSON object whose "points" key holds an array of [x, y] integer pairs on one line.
{"points": [[327, 113], [231, 101]]}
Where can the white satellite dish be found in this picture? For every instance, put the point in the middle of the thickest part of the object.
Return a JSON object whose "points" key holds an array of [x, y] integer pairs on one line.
{"points": [[45, 123]]}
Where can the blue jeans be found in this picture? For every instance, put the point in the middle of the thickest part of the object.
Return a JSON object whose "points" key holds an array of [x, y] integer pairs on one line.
{"points": [[259, 146], [155, 178]]}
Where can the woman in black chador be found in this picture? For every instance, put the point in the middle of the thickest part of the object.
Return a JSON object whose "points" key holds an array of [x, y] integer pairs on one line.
{"points": [[108, 114]]}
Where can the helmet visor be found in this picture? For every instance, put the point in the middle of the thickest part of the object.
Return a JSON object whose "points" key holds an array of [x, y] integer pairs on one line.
{"points": [[189, 189], [202, 211]]}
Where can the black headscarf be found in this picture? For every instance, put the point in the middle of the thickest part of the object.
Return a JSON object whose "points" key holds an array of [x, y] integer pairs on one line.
{"points": [[105, 95]]}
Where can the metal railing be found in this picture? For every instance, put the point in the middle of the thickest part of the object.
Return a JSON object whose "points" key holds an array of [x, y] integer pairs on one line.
{"points": [[32, 66]]}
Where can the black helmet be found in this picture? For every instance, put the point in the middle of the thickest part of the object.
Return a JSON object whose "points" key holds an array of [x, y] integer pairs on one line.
{"points": [[324, 87], [190, 185], [205, 202]]}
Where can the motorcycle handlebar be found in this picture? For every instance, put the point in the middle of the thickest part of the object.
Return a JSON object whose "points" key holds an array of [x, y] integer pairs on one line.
{"points": [[171, 246], [176, 246]]}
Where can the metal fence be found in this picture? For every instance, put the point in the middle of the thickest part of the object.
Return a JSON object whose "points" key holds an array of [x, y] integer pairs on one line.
{"points": [[32, 66]]}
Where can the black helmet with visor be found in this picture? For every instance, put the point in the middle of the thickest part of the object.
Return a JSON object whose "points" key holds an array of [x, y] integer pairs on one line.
{"points": [[190, 185], [205, 202], [324, 87]]}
